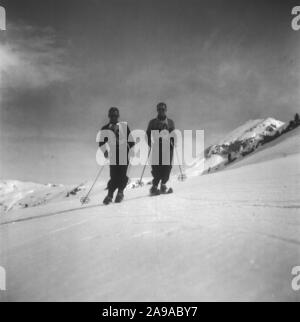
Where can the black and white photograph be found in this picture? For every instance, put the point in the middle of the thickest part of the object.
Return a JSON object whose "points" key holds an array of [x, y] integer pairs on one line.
{"points": [[149, 153]]}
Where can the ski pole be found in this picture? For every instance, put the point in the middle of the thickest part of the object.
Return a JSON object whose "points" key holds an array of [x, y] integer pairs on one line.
{"points": [[144, 168], [182, 176], [86, 199], [129, 159]]}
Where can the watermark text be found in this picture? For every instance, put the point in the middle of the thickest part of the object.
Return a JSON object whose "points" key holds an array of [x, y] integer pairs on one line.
{"points": [[2, 18], [296, 279], [155, 148], [2, 279], [296, 19]]}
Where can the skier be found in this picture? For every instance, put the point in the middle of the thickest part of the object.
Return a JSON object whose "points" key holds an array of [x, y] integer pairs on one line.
{"points": [[118, 171], [161, 172]]}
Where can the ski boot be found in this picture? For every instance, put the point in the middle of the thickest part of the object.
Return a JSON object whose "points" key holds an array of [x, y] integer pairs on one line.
{"points": [[119, 197], [154, 191], [164, 190], [107, 200]]}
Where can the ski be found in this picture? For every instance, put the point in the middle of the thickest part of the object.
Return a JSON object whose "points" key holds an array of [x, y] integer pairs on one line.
{"points": [[159, 193], [169, 191]]}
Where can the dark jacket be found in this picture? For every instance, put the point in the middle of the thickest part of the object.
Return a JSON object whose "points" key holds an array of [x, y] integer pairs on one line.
{"points": [[120, 139], [115, 129], [159, 148], [160, 125]]}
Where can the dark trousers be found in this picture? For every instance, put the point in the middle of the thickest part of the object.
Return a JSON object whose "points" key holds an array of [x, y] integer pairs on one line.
{"points": [[161, 173], [118, 178]]}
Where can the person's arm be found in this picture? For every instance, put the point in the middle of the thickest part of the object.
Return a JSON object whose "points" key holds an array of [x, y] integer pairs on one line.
{"points": [[149, 129], [102, 144], [171, 129]]}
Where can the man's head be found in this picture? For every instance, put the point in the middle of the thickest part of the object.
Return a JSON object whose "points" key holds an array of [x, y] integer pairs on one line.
{"points": [[162, 110], [114, 115]]}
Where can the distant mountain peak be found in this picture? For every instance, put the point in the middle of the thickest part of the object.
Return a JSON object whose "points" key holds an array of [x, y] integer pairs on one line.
{"points": [[252, 129], [243, 140]]}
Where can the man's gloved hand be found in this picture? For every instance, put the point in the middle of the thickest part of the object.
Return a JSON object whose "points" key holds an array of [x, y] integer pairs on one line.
{"points": [[106, 154]]}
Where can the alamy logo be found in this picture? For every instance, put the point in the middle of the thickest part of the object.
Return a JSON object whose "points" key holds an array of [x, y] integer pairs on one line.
{"points": [[296, 20], [163, 148], [2, 279], [2, 18], [296, 279]]}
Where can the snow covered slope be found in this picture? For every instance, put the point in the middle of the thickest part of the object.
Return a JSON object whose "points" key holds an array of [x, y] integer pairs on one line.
{"points": [[16, 194], [19, 195], [239, 143], [231, 235], [284, 146], [253, 129]]}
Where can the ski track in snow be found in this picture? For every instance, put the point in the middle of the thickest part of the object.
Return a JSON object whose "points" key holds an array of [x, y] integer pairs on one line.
{"points": [[232, 235]]}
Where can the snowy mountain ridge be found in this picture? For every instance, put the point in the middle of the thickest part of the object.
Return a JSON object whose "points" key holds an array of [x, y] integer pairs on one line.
{"points": [[18, 194], [253, 129], [240, 142]]}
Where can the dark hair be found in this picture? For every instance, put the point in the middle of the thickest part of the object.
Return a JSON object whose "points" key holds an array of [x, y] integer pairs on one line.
{"points": [[113, 110], [162, 104]]}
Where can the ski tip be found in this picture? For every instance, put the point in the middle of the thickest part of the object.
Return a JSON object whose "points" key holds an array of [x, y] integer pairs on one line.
{"points": [[155, 194]]}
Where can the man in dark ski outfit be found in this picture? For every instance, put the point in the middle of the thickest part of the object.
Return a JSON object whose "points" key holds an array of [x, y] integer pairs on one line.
{"points": [[118, 170], [161, 171]]}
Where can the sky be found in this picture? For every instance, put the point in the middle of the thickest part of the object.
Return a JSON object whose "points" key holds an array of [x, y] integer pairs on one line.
{"points": [[63, 63]]}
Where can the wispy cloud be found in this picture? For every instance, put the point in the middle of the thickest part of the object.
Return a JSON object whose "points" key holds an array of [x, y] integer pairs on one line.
{"points": [[31, 58]]}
